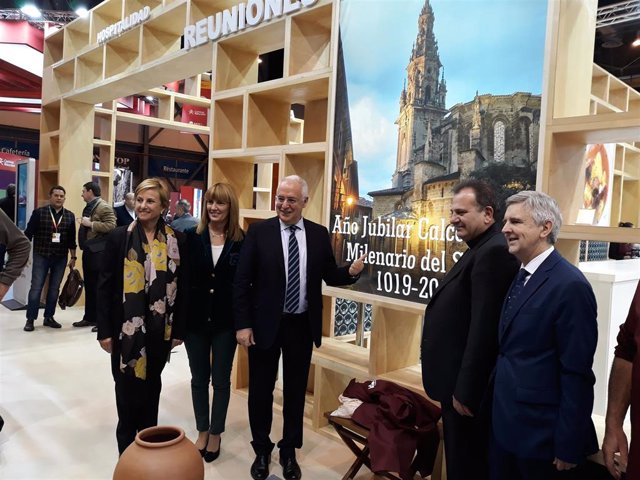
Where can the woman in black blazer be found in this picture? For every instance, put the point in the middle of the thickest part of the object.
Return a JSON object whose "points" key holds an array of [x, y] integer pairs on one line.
{"points": [[141, 318], [214, 249]]}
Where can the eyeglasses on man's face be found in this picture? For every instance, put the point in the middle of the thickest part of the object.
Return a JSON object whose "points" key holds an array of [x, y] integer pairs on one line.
{"points": [[290, 200]]}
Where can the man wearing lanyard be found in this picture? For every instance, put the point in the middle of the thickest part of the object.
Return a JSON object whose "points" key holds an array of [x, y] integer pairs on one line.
{"points": [[53, 231]]}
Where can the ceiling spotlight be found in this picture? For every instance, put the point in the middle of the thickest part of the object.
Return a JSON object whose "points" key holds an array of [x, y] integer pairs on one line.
{"points": [[636, 42], [82, 12], [31, 10]]}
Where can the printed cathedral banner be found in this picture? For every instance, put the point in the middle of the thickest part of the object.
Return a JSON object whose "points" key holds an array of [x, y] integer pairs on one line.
{"points": [[428, 93]]}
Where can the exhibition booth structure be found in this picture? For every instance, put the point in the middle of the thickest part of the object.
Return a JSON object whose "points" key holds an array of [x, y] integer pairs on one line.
{"points": [[262, 128]]}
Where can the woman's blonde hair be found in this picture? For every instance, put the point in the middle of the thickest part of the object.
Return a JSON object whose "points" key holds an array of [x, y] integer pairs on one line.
{"points": [[223, 193], [158, 185]]}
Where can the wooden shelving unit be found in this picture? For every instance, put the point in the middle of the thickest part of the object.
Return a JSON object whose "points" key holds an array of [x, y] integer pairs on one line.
{"points": [[586, 105], [254, 140]]}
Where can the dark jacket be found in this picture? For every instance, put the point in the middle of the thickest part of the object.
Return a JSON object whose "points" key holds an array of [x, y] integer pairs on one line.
{"points": [[211, 289], [543, 396], [260, 283], [40, 228], [122, 216], [110, 315], [460, 335]]}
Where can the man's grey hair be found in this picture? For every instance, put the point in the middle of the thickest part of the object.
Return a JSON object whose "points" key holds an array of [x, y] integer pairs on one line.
{"points": [[184, 205], [129, 195], [299, 180], [542, 207]]}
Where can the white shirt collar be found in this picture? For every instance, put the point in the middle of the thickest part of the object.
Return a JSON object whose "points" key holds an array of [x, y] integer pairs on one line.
{"points": [[300, 224], [535, 263]]}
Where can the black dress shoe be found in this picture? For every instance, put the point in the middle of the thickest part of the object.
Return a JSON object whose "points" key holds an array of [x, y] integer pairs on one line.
{"points": [[290, 468], [260, 466], [50, 322], [83, 323], [211, 456], [28, 326]]}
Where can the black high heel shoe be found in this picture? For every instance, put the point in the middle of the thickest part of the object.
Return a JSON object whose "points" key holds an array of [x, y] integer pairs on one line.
{"points": [[211, 456]]}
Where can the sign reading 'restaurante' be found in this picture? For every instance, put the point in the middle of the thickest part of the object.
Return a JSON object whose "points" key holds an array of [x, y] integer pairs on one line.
{"points": [[239, 17]]}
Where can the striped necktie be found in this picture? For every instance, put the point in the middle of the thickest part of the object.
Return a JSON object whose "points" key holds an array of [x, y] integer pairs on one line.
{"points": [[292, 297]]}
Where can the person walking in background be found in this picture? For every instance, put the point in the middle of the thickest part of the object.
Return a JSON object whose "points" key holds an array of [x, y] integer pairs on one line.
{"points": [[8, 206], [8, 203], [543, 395], [53, 231], [183, 219], [214, 251], [624, 391], [277, 306], [125, 213], [97, 220], [142, 308], [460, 334]]}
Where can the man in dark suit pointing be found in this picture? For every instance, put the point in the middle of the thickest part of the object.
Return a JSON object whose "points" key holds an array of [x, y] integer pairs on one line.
{"points": [[460, 335], [278, 309]]}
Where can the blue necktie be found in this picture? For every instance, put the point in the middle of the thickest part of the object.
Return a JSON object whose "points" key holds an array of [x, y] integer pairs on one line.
{"points": [[292, 297], [516, 290]]}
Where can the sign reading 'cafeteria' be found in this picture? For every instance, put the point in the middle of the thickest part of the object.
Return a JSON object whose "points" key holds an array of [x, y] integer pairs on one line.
{"points": [[237, 18]]}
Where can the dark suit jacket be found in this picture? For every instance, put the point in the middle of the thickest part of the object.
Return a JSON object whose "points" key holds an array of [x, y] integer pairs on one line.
{"points": [[211, 288], [460, 335], [543, 393], [110, 315], [260, 282], [122, 216]]}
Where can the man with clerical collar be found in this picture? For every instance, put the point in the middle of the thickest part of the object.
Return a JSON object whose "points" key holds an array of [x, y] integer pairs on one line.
{"points": [[52, 229]]}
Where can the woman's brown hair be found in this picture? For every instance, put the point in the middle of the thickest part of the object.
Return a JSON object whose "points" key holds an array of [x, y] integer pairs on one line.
{"points": [[223, 193]]}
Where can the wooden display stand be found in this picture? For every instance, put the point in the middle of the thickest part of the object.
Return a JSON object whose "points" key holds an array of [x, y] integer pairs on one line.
{"points": [[582, 105], [253, 141]]}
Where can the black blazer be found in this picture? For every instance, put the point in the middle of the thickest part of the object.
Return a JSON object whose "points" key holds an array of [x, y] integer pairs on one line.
{"points": [[211, 288], [122, 216], [460, 334], [110, 316], [260, 283]]}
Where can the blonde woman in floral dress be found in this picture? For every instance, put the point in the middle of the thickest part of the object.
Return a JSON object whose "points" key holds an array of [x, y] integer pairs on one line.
{"points": [[142, 308]]}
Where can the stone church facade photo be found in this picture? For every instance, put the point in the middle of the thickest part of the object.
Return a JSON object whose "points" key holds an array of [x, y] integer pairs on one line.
{"points": [[491, 136]]}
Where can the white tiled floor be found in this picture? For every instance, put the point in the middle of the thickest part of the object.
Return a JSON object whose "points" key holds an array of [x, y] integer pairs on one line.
{"points": [[57, 399]]}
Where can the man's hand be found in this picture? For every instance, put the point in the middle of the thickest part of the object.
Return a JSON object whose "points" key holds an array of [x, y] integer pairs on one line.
{"points": [[615, 441], [461, 409], [357, 266], [245, 337], [175, 342], [106, 344], [72, 263], [86, 222], [560, 465]]}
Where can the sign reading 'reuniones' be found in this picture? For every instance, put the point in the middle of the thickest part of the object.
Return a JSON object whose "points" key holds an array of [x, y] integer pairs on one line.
{"points": [[237, 18], [123, 25]]}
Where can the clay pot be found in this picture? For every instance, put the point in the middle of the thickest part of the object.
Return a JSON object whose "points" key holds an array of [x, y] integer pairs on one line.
{"points": [[160, 453]]}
